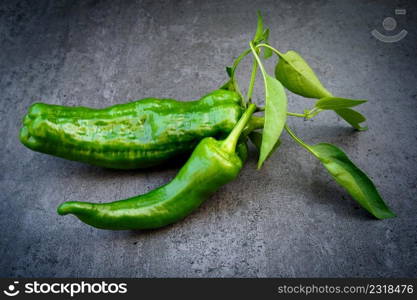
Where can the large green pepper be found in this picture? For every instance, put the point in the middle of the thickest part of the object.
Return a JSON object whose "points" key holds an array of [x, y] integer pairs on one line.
{"points": [[138, 134], [212, 164]]}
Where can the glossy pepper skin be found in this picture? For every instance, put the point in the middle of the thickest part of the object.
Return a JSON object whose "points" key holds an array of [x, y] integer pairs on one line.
{"points": [[212, 164], [138, 134]]}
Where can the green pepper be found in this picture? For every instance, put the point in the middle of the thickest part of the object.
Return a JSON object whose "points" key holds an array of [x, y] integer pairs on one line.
{"points": [[212, 164], [138, 134]]}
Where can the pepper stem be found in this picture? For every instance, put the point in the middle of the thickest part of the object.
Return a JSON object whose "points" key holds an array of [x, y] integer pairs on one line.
{"points": [[229, 144], [253, 124]]}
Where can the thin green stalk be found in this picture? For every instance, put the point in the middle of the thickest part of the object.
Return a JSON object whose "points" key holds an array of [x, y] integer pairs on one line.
{"points": [[252, 81], [296, 115], [239, 58], [255, 54], [229, 144], [234, 66], [258, 122], [314, 112], [311, 113], [253, 124], [298, 140], [271, 48]]}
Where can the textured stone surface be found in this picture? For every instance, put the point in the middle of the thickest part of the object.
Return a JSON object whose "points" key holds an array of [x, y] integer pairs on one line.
{"points": [[289, 219]]}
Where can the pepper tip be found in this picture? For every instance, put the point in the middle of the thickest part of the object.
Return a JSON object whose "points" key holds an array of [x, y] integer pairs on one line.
{"points": [[62, 209]]}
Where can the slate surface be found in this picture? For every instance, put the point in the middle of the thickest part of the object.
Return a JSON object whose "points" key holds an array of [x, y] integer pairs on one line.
{"points": [[287, 220]]}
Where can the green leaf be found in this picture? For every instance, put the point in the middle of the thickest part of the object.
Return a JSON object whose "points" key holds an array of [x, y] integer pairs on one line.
{"points": [[352, 179], [256, 139], [275, 116], [337, 103], [259, 29], [297, 76], [267, 52], [265, 35], [352, 117]]}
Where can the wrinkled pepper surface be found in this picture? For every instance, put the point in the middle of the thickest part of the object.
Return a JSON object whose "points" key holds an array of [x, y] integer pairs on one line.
{"points": [[212, 164], [138, 134]]}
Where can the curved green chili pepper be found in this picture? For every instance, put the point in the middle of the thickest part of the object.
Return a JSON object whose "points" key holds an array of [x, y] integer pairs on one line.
{"points": [[212, 164], [139, 134]]}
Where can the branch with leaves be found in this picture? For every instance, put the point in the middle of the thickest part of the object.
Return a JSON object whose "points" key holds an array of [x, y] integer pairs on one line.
{"points": [[293, 73]]}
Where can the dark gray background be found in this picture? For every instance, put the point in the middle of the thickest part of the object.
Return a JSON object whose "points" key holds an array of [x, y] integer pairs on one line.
{"points": [[289, 219]]}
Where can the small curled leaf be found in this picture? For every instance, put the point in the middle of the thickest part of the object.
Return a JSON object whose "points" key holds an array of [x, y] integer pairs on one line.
{"points": [[267, 51], [353, 117], [297, 76], [259, 34], [229, 71], [352, 179], [229, 86], [265, 35]]}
